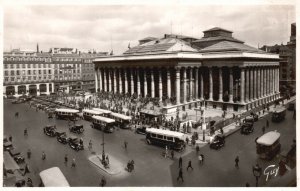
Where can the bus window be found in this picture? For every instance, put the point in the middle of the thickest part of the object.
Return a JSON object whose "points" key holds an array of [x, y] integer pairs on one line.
{"points": [[153, 135], [170, 139], [160, 136]]}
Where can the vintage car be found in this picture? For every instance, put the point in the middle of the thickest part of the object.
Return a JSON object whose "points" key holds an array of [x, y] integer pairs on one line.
{"points": [[50, 130], [247, 128], [255, 116], [75, 143], [17, 156], [62, 138], [141, 130], [77, 129], [249, 119], [218, 142]]}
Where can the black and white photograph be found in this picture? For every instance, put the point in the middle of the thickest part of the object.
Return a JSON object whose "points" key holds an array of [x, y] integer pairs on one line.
{"points": [[180, 94]]}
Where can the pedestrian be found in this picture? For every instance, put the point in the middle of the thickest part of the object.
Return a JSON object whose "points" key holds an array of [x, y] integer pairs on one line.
{"points": [[180, 175], [247, 184], [187, 140], [180, 162], [172, 154], [43, 155], [267, 123], [189, 165], [25, 132], [10, 138], [28, 153], [200, 158], [66, 159], [107, 159], [90, 145], [237, 160], [263, 129], [73, 163], [125, 144], [197, 149], [102, 181]]}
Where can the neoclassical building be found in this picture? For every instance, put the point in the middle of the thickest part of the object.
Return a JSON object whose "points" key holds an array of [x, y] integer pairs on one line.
{"points": [[217, 70]]}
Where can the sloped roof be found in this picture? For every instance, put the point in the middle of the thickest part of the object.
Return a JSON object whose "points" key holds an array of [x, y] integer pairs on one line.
{"points": [[148, 38], [217, 29], [229, 46], [218, 38], [162, 45]]}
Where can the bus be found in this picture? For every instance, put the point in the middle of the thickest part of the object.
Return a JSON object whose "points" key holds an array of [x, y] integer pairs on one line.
{"points": [[279, 114], [174, 140], [68, 114], [122, 121], [53, 177], [268, 145], [103, 123], [89, 113], [105, 112]]}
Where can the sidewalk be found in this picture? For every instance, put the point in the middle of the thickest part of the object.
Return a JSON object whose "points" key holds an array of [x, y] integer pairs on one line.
{"points": [[233, 127], [115, 166]]}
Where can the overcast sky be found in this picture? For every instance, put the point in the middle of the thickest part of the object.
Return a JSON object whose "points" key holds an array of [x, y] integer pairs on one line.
{"points": [[102, 26]]}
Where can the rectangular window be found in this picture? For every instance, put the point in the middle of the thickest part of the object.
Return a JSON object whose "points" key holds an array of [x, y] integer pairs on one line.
{"points": [[18, 72], [18, 66], [11, 66], [45, 71], [28, 65], [29, 77], [6, 73], [23, 72], [34, 77], [12, 73], [12, 79], [6, 79], [23, 65], [40, 72], [5, 66], [34, 72], [33, 65], [45, 77], [49, 71], [29, 72], [39, 65]]}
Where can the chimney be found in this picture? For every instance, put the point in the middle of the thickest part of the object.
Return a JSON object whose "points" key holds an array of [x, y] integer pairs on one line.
{"points": [[37, 48]]}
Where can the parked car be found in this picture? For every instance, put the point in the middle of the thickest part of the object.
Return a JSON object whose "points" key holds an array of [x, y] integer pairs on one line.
{"points": [[62, 138], [75, 143], [249, 119], [19, 159], [50, 130], [218, 142], [141, 130], [77, 129], [255, 116], [247, 128]]}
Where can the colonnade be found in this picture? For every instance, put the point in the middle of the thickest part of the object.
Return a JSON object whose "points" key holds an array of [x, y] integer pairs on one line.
{"points": [[250, 83]]}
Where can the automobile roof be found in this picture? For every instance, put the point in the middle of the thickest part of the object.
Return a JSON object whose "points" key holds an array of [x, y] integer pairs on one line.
{"points": [[268, 138]]}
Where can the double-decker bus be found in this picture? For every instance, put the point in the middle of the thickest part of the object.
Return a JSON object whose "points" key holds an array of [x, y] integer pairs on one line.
{"points": [[279, 114], [68, 114], [174, 140], [103, 123], [122, 121], [105, 113], [89, 113], [268, 145]]}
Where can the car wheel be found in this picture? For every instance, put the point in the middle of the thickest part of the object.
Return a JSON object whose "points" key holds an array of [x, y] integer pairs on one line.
{"points": [[148, 141]]}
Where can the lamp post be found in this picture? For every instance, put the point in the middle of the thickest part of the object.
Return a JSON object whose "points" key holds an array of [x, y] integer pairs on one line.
{"points": [[103, 151], [257, 171]]}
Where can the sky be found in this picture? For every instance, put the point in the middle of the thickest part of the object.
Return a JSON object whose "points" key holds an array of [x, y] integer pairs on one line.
{"points": [[106, 27]]}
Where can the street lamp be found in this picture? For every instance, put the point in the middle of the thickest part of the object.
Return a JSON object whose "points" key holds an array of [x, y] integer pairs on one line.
{"points": [[257, 171], [103, 151]]}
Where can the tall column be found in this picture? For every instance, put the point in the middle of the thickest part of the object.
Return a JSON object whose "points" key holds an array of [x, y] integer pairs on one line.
{"points": [[115, 79], [273, 80], [258, 83], [160, 85], [230, 85], [37, 89], [52, 90], [242, 90], [262, 83], [247, 84], [109, 80], [268, 81], [277, 80], [184, 84], [220, 85], [105, 79], [265, 81], [131, 81], [138, 82], [126, 81], [145, 83], [251, 84], [96, 79], [196, 91], [100, 80], [152, 83], [169, 82], [177, 70], [47, 89], [191, 85], [120, 80], [27, 89], [201, 87], [210, 84], [255, 83]]}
